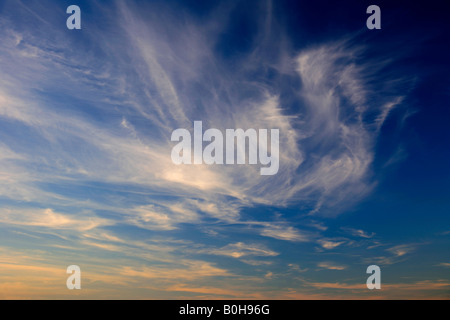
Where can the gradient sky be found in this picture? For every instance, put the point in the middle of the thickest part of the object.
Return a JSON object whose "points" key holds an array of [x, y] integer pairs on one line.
{"points": [[86, 176]]}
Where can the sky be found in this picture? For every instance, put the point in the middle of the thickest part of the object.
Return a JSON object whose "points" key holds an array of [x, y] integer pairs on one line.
{"points": [[86, 176]]}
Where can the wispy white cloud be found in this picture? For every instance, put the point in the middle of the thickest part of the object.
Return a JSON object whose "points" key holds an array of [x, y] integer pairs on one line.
{"points": [[401, 250], [253, 262], [296, 268], [187, 270], [397, 253], [331, 266], [358, 233], [444, 264], [48, 218], [240, 249], [283, 232], [328, 244]]}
